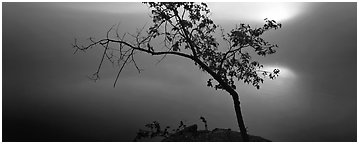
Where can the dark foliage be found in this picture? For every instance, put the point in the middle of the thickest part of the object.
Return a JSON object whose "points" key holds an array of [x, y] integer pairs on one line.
{"points": [[154, 130]]}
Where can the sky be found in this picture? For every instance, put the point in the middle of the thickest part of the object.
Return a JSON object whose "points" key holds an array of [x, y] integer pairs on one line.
{"points": [[47, 96]]}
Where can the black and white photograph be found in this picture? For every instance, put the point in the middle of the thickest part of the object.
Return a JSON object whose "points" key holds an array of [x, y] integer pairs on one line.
{"points": [[179, 71]]}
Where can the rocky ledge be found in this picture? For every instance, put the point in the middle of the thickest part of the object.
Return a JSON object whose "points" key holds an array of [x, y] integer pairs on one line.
{"points": [[191, 134]]}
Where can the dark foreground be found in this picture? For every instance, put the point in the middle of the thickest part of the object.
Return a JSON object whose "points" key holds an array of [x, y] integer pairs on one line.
{"points": [[191, 134]]}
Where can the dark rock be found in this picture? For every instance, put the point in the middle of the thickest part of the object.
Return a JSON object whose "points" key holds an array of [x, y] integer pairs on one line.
{"points": [[190, 134]]}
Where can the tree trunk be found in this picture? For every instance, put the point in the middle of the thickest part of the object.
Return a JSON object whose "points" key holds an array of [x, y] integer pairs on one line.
{"points": [[233, 93], [237, 108]]}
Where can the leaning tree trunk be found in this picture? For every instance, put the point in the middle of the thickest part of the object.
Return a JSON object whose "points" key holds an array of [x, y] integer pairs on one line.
{"points": [[235, 97], [237, 108]]}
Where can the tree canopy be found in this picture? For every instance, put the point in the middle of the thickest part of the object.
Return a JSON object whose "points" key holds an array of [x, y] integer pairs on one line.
{"points": [[185, 29]]}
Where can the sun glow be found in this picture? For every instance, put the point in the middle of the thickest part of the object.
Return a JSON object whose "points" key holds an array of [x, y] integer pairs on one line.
{"points": [[282, 84], [277, 12], [283, 73], [256, 11]]}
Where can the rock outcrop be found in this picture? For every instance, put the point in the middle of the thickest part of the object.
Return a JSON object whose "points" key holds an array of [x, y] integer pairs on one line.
{"points": [[191, 134]]}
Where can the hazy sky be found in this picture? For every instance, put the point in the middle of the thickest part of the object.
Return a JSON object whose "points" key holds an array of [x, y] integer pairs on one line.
{"points": [[47, 96]]}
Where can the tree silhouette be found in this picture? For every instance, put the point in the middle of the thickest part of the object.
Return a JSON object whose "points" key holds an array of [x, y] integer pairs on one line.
{"points": [[186, 30]]}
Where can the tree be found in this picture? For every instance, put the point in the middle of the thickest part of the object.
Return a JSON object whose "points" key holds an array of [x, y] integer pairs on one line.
{"points": [[187, 31]]}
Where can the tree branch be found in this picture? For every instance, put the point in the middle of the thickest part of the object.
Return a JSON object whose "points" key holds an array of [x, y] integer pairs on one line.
{"points": [[148, 51], [119, 72], [186, 35]]}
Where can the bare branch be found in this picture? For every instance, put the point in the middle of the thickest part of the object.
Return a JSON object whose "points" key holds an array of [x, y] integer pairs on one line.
{"points": [[148, 51], [119, 72], [134, 61], [162, 58], [117, 34]]}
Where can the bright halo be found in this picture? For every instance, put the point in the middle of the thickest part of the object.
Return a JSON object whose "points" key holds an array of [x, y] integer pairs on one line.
{"points": [[278, 12], [256, 11], [283, 71]]}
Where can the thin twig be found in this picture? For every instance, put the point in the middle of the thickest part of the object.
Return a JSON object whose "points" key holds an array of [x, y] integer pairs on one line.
{"points": [[119, 72]]}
